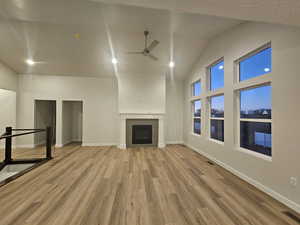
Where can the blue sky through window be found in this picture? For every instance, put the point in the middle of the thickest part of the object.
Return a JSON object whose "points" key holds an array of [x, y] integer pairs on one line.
{"points": [[197, 108], [256, 102], [256, 65], [196, 88], [217, 106], [217, 76]]}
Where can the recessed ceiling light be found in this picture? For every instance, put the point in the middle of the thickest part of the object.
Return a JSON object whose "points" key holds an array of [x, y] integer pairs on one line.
{"points": [[171, 64], [114, 61], [267, 69], [221, 67], [30, 62]]}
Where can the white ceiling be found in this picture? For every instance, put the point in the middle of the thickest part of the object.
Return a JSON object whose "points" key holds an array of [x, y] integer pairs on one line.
{"points": [[45, 31]]}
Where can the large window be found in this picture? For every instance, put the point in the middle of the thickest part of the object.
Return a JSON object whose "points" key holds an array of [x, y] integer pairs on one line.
{"points": [[255, 102], [255, 119], [216, 76], [196, 88], [257, 64], [197, 117], [217, 117]]}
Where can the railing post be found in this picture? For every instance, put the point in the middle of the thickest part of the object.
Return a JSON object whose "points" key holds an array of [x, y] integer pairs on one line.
{"points": [[8, 143], [49, 142]]}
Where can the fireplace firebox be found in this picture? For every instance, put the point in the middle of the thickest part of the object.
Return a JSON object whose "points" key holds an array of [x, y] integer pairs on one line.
{"points": [[142, 134]]}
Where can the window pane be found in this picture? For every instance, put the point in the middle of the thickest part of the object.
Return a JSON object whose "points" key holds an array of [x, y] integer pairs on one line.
{"points": [[217, 106], [256, 137], [197, 108], [217, 129], [197, 126], [196, 88], [256, 103], [217, 76], [256, 65]]}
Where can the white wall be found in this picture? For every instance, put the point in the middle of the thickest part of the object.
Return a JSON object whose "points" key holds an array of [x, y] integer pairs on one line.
{"points": [[142, 94], [7, 111], [8, 99], [174, 111], [100, 104], [8, 78], [272, 176]]}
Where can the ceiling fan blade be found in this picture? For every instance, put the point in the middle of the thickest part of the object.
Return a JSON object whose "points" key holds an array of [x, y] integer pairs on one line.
{"points": [[134, 52], [153, 45], [152, 56]]}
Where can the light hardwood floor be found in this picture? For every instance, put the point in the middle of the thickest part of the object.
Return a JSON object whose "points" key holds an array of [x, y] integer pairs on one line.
{"points": [[143, 186]]}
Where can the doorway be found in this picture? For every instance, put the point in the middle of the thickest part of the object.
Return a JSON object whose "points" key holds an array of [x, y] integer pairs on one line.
{"points": [[45, 115], [72, 114]]}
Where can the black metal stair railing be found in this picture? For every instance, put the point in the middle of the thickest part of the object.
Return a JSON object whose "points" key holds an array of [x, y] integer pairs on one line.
{"points": [[8, 135]]}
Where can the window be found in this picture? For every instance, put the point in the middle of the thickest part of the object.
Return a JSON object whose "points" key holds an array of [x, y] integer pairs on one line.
{"points": [[256, 64], [217, 118], [216, 74], [197, 117], [255, 119], [196, 88]]}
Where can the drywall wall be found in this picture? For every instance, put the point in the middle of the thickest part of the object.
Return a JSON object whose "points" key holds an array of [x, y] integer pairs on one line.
{"points": [[8, 78], [100, 105], [7, 111], [99, 96], [271, 176], [44, 116], [142, 94], [174, 111]]}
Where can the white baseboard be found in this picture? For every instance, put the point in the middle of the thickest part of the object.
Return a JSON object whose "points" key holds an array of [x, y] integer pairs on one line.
{"points": [[289, 203], [24, 146], [99, 144], [174, 142]]}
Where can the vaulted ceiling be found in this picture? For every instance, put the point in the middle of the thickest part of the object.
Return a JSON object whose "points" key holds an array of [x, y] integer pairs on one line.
{"points": [[80, 37]]}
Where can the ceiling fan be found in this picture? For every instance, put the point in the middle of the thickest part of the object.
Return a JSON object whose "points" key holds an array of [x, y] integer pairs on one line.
{"points": [[147, 50]]}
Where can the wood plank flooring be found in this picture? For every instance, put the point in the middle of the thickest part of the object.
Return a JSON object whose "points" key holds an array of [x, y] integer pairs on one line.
{"points": [[143, 186]]}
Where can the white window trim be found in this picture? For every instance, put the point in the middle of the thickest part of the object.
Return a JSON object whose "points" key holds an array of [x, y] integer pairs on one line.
{"points": [[208, 78], [215, 118], [255, 82], [248, 55], [192, 89], [196, 117]]}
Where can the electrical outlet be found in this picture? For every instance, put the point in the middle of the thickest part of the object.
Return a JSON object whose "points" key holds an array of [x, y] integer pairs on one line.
{"points": [[293, 181]]}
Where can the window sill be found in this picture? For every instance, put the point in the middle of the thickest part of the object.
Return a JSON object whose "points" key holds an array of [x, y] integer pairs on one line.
{"points": [[196, 135], [255, 154], [216, 141]]}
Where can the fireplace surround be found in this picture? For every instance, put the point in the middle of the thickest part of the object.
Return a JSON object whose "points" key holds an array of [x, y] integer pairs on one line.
{"points": [[129, 119], [141, 132]]}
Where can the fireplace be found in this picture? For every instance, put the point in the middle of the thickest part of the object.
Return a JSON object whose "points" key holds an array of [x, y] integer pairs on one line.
{"points": [[141, 132]]}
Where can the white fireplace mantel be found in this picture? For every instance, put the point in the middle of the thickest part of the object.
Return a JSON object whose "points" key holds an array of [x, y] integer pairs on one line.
{"points": [[158, 116]]}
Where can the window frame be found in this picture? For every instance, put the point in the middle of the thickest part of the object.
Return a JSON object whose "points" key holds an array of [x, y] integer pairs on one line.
{"points": [[208, 76], [246, 56], [196, 117], [252, 83], [193, 88], [210, 118]]}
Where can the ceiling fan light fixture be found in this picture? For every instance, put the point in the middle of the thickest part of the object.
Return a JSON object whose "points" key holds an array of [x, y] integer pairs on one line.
{"points": [[114, 61], [30, 62], [171, 64]]}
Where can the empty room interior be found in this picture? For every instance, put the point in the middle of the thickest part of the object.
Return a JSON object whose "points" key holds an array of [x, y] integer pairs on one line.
{"points": [[148, 112]]}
